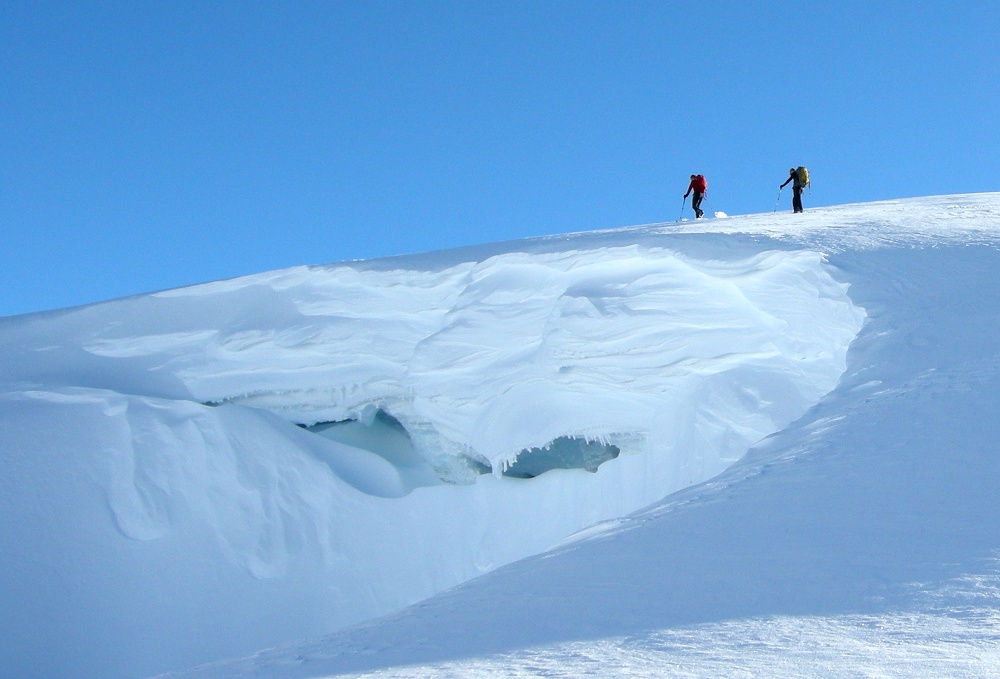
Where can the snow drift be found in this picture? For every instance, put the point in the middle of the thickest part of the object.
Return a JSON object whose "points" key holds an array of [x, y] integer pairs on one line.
{"points": [[860, 540], [201, 472]]}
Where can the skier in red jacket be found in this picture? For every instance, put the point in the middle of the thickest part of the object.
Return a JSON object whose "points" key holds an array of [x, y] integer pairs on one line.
{"points": [[699, 186]]}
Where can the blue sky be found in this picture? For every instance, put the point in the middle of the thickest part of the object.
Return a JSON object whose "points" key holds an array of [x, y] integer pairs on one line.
{"points": [[148, 145]]}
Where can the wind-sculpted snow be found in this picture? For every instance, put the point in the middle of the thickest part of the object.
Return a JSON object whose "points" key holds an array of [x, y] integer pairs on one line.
{"points": [[484, 360], [862, 540], [154, 473]]}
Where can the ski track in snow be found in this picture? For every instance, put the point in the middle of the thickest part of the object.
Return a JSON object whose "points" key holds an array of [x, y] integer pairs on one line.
{"points": [[683, 343]]}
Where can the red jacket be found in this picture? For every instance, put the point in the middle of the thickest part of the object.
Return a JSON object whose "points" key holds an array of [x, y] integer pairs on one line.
{"points": [[698, 185]]}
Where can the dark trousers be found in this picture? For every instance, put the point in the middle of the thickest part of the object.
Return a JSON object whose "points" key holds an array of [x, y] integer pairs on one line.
{"points": [[796, 199], [696, 199]]}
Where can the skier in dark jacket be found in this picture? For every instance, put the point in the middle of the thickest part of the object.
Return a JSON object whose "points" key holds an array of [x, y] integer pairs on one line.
{"points": [[699, 186], [797, 185]]}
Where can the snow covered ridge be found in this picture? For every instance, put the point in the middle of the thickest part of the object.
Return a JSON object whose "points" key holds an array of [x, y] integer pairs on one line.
{"points": [[968, 219], [484, 360], [155, 475]]}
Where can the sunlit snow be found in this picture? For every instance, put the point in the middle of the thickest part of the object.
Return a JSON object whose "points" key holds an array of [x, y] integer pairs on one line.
{"points": [[200, 473]]}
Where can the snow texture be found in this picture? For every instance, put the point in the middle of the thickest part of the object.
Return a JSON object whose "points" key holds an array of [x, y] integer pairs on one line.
{"points": [[803, 410]]}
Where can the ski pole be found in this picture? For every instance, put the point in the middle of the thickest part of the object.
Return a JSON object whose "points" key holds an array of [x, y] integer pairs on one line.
{"points": [[779, 199], [683, 203]]}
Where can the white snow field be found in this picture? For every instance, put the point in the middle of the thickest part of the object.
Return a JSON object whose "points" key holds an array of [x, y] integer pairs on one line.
{"points": [[764, 445]]}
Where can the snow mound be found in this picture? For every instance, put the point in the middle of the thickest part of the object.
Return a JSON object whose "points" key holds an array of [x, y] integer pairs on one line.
{"points": [[156, 475], [481, 361]]}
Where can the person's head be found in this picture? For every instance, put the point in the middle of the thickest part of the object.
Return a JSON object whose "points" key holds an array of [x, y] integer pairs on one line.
{"points": [[791, 170], [692, 176]]}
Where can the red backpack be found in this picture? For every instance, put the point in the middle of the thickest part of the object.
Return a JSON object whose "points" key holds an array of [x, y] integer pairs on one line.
{"points": [[699, 183]]}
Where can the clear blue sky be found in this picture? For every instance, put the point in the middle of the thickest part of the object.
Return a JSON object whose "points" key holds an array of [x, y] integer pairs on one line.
{"points": [[148, 145]]}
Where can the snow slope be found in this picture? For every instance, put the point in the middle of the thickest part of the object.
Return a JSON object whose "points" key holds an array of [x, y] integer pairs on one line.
{"points": [[165, 510]]}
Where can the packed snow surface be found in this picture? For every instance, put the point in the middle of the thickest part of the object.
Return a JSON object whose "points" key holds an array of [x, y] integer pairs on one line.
{"points": [[801, 406]]}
